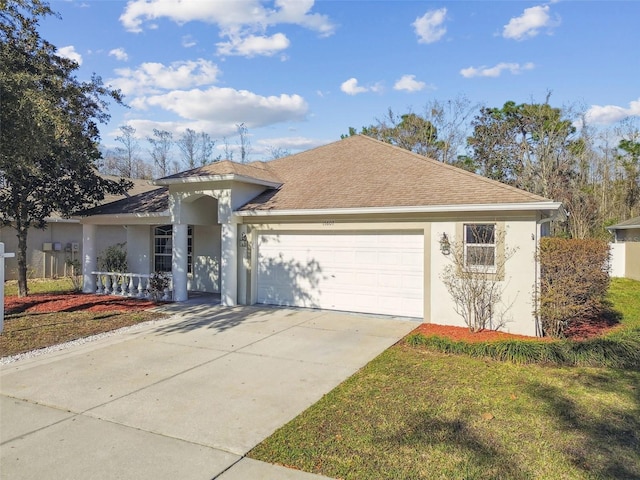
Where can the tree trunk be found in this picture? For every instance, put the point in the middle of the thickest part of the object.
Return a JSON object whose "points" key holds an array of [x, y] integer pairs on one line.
{"points": [[22, 260]]}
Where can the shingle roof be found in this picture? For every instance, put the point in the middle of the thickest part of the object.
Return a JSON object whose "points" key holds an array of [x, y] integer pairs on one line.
{"points": [[257, 170], [139, 186], [363, 172], [356, 172], [631, 223], [152, 201]]}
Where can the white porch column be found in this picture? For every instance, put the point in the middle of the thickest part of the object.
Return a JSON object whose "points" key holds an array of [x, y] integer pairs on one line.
{"points": [[89, 257], [179, 262], [229, 261]]}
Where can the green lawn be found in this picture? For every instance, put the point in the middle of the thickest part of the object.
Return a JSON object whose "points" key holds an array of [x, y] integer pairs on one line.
{"points": [[414, 413], [40, 285]]}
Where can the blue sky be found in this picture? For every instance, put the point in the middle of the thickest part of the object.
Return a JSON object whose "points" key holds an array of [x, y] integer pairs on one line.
{"points": [[299, 73]]}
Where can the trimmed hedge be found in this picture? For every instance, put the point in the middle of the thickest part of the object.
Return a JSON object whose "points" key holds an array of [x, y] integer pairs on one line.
{"points": [[573, 282]]}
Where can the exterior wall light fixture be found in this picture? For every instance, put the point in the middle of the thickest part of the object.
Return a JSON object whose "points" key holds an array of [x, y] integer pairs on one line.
{"points": [[445, 245]]}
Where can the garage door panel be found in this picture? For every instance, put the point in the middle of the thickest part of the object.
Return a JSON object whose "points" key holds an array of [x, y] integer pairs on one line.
{"points": [[372, 273]]}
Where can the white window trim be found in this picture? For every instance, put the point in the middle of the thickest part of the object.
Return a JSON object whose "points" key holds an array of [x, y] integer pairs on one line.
{"points": [[494, 245], [170, 254]]}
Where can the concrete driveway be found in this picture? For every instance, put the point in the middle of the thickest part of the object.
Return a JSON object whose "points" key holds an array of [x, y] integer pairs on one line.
{"points": [[184, 398]]}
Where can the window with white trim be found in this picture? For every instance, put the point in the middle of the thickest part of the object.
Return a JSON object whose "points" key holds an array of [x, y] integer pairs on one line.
{"points": [[480, 246], [163, 248]]}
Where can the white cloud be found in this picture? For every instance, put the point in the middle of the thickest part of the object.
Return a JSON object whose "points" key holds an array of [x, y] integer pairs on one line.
{"points": [[252, 45], [242, 22], [608, 114], [429, 26], [120, 54], [496, 71], [188, 41], [351, 87], [408, 83], [227, 106], [290, 143], [150, 78], [528, 24], [70, 53]]}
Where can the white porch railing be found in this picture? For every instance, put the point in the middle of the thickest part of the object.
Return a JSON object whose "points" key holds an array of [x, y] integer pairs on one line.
{"points": [[136, 285]]}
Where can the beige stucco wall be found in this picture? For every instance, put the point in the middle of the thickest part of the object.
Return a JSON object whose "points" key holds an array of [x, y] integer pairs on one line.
{"points": [[43, 264], [632, 260], [520, 271], [206, 259], [519, 276]]}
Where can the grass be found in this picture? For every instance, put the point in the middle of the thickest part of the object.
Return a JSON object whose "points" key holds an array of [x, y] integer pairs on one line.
{"points": [[419, 413], [24, 332], [40, 285]]}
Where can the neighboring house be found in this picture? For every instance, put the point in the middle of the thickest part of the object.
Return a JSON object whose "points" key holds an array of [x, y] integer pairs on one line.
{"points": [[48, 249], [357, 225], [625, 251]]}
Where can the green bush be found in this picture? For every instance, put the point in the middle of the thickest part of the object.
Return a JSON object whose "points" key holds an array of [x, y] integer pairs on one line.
{"points": [[113, 259], [573, 282], [619, 350]]}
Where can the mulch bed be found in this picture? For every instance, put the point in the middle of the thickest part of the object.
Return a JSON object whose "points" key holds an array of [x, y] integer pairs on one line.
{"points": [[579, 331], [74, 302]]}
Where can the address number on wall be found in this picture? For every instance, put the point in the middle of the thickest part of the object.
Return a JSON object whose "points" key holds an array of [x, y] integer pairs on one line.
{"points": [[328, 223]]}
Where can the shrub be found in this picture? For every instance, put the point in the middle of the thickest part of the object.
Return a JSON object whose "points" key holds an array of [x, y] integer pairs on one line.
{"points": [[158, 283], [573, 284], [75, 271], [113, 259], [617, 351]]}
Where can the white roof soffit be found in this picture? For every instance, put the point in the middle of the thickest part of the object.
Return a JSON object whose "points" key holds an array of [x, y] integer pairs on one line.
{"points": [[216, 178], [549, 207]]}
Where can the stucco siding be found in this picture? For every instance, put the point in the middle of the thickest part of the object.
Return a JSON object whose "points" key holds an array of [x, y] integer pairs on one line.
{"points": [[206, 259], [632, 263], [520, 269], [617, 264], [519, 275], [48, 264]]}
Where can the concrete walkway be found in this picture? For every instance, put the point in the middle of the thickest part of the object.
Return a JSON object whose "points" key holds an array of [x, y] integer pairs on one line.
{"points": [[185, 398]]}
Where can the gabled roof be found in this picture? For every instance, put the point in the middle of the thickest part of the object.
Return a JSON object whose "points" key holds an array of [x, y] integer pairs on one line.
{"points": [[361, 172], [631, 223], [258, 172]]}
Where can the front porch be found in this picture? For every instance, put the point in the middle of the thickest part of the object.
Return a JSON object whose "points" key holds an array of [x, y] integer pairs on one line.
{"points": [[186, 229]]}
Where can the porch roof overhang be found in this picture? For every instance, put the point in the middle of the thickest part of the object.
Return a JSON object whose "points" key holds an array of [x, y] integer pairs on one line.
{"points": [[231, 177]]}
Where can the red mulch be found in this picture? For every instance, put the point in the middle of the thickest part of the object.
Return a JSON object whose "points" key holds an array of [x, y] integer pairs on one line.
{"points": [[580, 331], [73, 302]]}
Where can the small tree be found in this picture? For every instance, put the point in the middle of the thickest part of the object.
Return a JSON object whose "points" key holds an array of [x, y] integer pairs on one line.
{"points": [[49, 136], [475, 279]]}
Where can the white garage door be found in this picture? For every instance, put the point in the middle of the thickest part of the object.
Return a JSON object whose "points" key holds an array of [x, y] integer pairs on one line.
{"points": [[370, 273]]}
